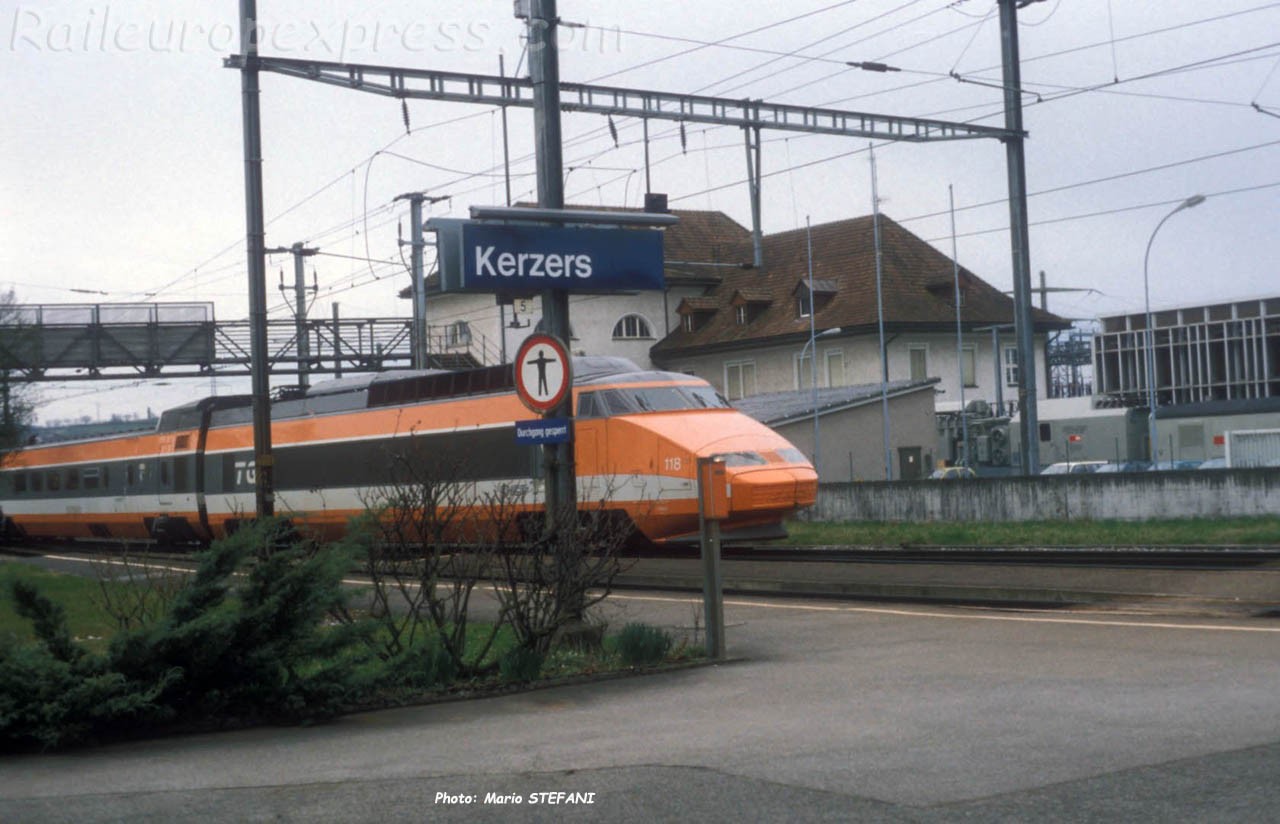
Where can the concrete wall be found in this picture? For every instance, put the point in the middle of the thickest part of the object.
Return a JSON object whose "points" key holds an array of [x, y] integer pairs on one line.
{"points": [[852, 440], [1190, 494]]}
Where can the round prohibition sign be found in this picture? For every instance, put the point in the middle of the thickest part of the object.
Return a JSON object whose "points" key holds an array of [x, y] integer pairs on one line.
{"points": [[543, 372]]}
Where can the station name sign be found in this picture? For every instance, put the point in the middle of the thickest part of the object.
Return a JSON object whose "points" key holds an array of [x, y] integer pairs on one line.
{"points": [[504, 257]]}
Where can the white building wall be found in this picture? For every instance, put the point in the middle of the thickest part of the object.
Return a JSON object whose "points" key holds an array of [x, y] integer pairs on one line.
{"points": [[779, 369], [592, 317]]}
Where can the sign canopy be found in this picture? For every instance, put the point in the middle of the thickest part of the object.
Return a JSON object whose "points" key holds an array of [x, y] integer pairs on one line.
{"points": [[514, 257]]}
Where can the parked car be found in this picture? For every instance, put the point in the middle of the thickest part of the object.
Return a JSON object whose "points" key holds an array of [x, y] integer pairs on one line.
{"points": [[1124, 466], [1173, 466], [952, 473], [1072, 467]]}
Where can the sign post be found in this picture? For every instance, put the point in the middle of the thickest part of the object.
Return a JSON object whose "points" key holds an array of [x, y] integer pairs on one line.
{"points": [[713, 505]]}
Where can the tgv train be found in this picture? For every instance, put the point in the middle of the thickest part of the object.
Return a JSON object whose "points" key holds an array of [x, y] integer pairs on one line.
{"points": [[637, 436]]}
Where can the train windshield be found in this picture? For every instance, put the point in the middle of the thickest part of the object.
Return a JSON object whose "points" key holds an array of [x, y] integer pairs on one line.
{"points": [[632, 400]]}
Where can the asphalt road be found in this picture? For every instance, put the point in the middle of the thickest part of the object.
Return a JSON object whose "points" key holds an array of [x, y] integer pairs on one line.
{"points": [[829, 712]]}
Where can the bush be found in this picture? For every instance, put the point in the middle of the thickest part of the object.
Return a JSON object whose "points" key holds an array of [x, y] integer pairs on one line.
{"points": [[520, 665], [258, 650], [641, 645]]}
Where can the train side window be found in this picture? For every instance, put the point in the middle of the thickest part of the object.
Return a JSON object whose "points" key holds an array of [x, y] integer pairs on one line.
{"points": [[1046, 432], [73, 479], [19, 483], [128, 475], [37, 481], [106, 477], [587, 405], [55, 481], [164, 473], [91, 478]]}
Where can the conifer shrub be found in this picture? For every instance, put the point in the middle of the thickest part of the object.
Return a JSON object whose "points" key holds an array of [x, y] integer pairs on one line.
{"points": [[230, 649]]}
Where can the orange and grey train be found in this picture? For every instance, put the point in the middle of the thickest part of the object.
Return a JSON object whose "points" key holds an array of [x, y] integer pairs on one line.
{"points": [[637, 438]]}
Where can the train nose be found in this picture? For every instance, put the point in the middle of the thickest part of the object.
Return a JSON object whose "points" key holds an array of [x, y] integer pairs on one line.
{"points": [[757, 490]]}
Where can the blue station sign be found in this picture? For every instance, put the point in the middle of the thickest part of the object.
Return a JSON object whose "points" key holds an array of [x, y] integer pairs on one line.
{"points": [[505, 257]]}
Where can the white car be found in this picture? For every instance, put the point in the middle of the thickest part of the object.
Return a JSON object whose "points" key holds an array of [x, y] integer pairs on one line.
{"points": [[1072, 467]]}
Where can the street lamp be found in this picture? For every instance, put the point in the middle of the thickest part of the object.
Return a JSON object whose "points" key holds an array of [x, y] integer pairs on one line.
{"points": [[813, 381], [1152, 435]]}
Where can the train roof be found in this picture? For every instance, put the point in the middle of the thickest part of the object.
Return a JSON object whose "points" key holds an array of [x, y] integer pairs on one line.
{"points": [[392, 389]]}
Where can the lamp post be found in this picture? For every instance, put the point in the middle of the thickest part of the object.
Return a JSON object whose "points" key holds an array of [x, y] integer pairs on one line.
{"points": [[1152, 435], [811, 343]]}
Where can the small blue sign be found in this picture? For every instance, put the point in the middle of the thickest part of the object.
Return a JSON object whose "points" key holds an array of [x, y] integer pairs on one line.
{"points": [[522, 258], [543, 431]]}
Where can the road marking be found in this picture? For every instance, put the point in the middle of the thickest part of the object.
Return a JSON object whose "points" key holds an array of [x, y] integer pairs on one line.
{"points": [[911, 613]]}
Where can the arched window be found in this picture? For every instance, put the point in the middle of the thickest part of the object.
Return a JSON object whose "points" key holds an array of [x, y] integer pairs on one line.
{"points": [[631, 327]]}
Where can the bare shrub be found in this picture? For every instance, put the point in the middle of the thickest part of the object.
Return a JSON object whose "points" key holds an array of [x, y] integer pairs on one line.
{"points": [[135, 587], [422, 550]]}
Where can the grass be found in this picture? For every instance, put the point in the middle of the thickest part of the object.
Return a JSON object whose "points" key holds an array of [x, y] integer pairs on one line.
{"points": [[1181, 532], [78, 596]]}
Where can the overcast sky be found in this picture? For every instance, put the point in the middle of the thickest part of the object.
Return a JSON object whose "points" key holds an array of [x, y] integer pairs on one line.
{"points": [[123, 164]]}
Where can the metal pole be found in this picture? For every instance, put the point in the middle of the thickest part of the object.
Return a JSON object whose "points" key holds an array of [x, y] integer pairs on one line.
{"points": [[419, 336], [995, 356], [884, 355], [1015, 161], [813, 342], [506, 145], [544, 72], [337, 344], [255, 242], [955, 272], [712, 580], [753, 191], [1152, 434], [648, 184], [300, 315]]}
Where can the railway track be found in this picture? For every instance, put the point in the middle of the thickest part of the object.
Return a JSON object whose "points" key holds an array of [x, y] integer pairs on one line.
{"points": [[1198, 557], [1205, 580]]}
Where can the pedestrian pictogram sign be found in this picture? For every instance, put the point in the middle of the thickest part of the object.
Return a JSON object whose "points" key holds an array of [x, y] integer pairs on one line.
{"points": [[543, 372]]}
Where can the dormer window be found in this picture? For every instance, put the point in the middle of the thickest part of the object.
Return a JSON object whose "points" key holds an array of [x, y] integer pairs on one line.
{"points": [[749, 304], [822, 293], [945, 291], [695, 312]]}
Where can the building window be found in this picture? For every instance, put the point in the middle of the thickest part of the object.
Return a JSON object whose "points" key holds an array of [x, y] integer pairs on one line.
{"points": [[742, 315], [969, 365], [739, 379], [919, 358], [1011, 366], [803, 303], [835, 368], [632, 327], [686, 323], [459, 333], [804, 370]]}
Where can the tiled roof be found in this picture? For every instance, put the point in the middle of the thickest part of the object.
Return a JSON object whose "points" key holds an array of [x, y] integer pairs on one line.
{"points": [[844, 259]]}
